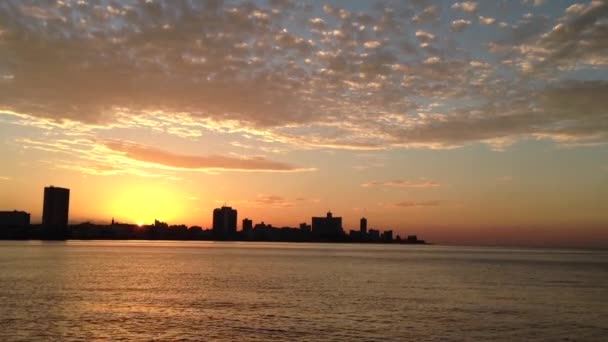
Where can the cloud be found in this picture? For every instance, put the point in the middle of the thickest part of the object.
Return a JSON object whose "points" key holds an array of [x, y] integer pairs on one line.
{"points": [[272, 201], [577, 39], [575, 9], [279, 75], [417, 204], [566, 112], [82, 154], [528, 28], [460, 24], [429, 14], [424, 36], [213, 162], [486, 20], [264, 201], [535, 3], [466, 6], [402, 184], [373, 44]]}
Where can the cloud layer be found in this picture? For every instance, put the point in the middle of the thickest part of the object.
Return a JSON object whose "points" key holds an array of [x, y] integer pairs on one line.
{"points": [[309, 75], [157, 156]]}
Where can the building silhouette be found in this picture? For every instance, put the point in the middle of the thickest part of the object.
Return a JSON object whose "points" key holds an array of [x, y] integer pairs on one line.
{"points": [[247, 225], [387, 236], [327, 228], [14, 219], [305, 228], [55, 212], [374, 235], [363, 226], [224, 222]]}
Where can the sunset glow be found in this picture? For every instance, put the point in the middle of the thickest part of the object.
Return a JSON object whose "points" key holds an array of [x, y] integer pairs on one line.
{"points": [[144, 204], [463, 122]]}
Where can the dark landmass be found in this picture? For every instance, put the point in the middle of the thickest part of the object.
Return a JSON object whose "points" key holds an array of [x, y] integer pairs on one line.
{"points": [[163, 231]]}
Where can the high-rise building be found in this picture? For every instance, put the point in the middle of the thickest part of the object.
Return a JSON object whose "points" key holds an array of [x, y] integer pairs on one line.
{"points": [[327, 228], [224, 222], [363, 226], [55, 212], [247, 225]]}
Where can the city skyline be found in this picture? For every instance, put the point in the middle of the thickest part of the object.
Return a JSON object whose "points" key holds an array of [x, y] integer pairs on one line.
{"points": [[57, 226], [224, 220], [56, 205], [468, 122]]}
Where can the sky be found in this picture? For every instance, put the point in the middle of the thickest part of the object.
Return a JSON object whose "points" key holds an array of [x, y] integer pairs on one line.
{"points": [[471, 122]]}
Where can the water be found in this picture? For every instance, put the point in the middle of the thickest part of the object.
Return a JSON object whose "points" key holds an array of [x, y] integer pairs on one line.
{"points": [[134, 290]]}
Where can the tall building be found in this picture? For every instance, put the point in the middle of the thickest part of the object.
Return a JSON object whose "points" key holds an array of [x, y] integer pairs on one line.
{"points": [[14, 219], [247, 225], [55, 212], [327, 228], [224, 222], [363, 226]]}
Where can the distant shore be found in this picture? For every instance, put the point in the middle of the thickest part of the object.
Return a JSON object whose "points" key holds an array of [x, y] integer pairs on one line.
{"points": [[90, 231]]}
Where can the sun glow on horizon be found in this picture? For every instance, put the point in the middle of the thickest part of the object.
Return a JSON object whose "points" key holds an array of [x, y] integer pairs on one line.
{"points": [[144, 204]]}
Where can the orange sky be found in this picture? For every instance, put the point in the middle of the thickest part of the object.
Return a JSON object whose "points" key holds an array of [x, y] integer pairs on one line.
{"points": [[480, 124]]}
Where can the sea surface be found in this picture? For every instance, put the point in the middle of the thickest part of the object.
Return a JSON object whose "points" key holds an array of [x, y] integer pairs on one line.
{"points": [[233, 291]]}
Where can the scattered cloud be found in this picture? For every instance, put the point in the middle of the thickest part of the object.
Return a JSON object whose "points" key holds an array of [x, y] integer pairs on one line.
{"points": [[460, 24], [425, 36], [368, 166], [272, 201], [263, 201], [535, 3], [177, 69], [577, 39], [181, 161], [402, 184], [417, 204], [575, 9], [466, 6], [373, 44], [486, 20], [429, 14]]}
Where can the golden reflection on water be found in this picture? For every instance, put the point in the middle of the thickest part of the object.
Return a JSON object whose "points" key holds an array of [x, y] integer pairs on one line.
{"points": [[142, 290]]}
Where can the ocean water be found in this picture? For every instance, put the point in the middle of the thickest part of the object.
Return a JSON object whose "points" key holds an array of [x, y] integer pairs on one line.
{"points": [[212, 291]]}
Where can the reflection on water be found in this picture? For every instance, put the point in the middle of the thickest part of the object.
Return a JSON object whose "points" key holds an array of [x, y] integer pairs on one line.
{"points": [[138, 290]]}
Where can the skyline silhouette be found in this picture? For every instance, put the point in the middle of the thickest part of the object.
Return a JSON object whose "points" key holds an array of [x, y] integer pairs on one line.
{"points": [[16, 225]]}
